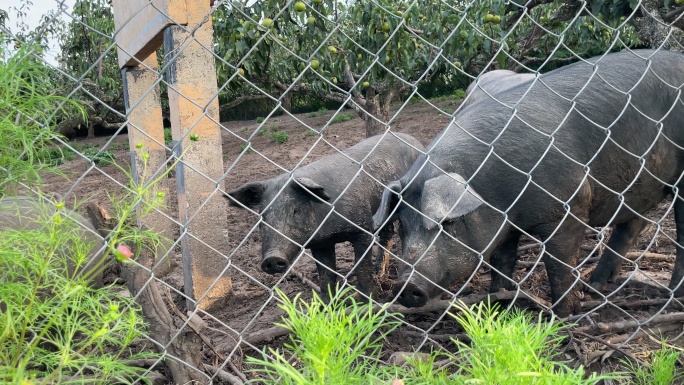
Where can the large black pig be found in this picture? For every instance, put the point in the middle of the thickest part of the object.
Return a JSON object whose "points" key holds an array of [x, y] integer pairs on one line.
{"points": [[295, 207], [594, 143]]}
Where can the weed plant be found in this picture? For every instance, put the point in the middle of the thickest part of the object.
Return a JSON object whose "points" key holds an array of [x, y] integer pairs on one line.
{"points": [[28, 110], [661, 371], [58, 329], [339, 343], [55, 328], [336, 343], [279, 137], [342, 117]]}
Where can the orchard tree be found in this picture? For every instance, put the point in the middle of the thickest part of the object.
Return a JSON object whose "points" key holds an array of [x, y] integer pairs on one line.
{"points": [[368, 53], [88, 54]]}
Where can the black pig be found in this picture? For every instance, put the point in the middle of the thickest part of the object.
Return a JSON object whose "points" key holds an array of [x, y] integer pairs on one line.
{"points": [[595, 143], [295, 207]]}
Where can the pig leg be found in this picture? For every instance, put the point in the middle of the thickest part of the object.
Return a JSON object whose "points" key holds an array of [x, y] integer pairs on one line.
{"points": [[676, 283], [327, 268], [503, 259], [560, 257], [364, 265], [622, 238]]}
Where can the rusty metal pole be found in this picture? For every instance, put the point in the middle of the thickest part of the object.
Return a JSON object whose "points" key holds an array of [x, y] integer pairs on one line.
{"points": [[193, 104]]}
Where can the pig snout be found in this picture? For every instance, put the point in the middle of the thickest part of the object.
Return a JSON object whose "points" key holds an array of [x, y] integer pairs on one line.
{"points": [[274, 262], [411, 295]]}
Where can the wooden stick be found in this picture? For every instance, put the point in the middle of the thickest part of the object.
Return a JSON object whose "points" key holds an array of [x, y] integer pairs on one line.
{"points": [[223, 375], [620, 326], [644, 332]]}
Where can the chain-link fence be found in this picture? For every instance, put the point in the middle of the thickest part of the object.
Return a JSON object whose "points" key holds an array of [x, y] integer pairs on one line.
{"points": [[557, 189]]}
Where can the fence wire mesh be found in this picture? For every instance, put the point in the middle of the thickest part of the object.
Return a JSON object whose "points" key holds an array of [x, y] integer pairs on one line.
{"points": [[300, 85]]}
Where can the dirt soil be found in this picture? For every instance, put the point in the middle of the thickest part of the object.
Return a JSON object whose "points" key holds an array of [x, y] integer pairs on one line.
{"points": [[251, 310]]}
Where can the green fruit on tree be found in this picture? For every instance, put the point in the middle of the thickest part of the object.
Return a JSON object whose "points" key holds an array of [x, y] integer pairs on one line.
{"points": [[314, 64], [385, 27], [359, 56], [366, 84], [334, 80], [458, 64], [267, 22], [488, 18], [311, 20], [241, 72], [496, 19], [300, 6], [317, 1], [679, 2], [332, 49]]}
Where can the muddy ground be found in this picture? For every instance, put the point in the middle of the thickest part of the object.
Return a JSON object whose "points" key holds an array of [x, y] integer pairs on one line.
{"points": [[251, 308]]}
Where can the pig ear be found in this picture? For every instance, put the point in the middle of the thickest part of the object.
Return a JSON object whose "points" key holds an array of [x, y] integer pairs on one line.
{"points": [[390, 198], [308, 186], [249, 194], [446, 198]]}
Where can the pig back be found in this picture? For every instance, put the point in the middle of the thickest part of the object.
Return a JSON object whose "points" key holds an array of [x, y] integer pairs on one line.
{"points": [[357, 175], [26, 213]]}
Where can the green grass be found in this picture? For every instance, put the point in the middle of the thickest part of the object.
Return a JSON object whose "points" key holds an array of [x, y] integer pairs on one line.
{"points": [[321, 111], [279, 137], [336, 343], [260, 119], [54, 156], [509, 347], [342, 117], [339, 343], [309, 133], [459, 94], [661, 371], [101, 158], [243, 146], [262, 131]]}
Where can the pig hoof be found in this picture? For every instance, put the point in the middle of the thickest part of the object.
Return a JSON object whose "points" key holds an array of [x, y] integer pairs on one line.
{"points": [[274, 265], [412, 296], [595, 286]]}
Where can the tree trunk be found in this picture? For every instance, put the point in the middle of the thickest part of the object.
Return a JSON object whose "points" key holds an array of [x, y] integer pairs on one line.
{"points": [[654, 31], [287, 102], [376, 114]]}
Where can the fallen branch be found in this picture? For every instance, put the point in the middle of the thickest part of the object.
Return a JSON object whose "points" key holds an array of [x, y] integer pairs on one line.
{"points": [[608, 344], [641, 333], [621, 326], [307, 281], [223, 375], [631, 304]]}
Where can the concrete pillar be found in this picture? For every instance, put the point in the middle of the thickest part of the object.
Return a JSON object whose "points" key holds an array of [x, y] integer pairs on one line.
{"points": [[192, 100], [143, 107]]}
